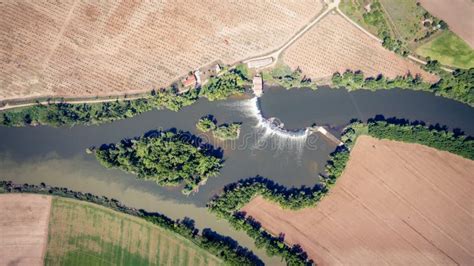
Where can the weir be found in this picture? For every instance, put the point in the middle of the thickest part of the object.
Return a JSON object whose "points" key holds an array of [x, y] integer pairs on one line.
{"points": [[272, 129]]}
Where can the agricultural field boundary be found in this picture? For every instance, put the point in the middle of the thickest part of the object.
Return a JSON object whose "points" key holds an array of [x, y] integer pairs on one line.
{"points": [[25, 102], [222, 247]]}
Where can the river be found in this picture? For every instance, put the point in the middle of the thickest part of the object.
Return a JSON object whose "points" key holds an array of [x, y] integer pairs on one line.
{"points": [[57, 156]]}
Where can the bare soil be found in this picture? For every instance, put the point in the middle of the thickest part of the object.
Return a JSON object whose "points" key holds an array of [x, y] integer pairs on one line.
{"points": [[396, 203], [23, 228], [457, 13], [335, 45], [103, 48]]}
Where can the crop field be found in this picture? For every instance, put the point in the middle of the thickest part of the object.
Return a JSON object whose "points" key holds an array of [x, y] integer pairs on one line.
{"points": [[81, 233], [449, 50], [102, 48], [335, 45], [23, 228], [458, 15], [396, 203]]}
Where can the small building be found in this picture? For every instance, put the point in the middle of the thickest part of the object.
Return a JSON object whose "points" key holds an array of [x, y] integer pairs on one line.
{"points": [[257, 86], [189, 81]]}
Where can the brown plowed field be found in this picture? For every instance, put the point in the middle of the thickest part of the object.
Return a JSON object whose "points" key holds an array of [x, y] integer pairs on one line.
{"points": [[335, 45], [457, 13], [396, 203], [98, 48], [24, 222]]}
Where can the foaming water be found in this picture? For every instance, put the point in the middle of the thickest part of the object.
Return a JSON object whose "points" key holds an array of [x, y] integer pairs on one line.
{"points": [[271, 131]]}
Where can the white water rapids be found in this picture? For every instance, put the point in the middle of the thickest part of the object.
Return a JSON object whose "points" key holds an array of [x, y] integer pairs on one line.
{"points": [[270, 132]]}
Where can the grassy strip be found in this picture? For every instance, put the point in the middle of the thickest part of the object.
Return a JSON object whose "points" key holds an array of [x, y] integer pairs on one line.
{"points": [[235, 196], [64, 114], [221, 246], [169, 159]]}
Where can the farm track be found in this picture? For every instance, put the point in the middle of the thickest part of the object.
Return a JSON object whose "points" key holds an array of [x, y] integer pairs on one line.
{"points": [[118, 48], [64, 35]]}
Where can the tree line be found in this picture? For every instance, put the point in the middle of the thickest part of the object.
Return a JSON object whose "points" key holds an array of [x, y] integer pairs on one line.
{"points": [[223, 132], [434, 136], [168, 158], [222, 247], [65, 114], [458, 85], [227, 205]]}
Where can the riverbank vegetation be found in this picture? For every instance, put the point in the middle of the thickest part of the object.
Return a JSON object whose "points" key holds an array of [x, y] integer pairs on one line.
{"points": [[220, 246], [82, 233], [457, 85], [282, 75], [235, 196], [223, 132], [65, 114], [169, 159], [223, 86]]}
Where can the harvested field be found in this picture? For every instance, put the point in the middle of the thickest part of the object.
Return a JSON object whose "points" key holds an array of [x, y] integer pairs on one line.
{"points": [[396, 203], [335, 45], [23, 228], [82, 233], [103, 48], [457, 13]]}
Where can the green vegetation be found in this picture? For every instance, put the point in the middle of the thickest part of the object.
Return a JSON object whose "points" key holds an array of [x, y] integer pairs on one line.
{"points": [[64, 114], [282, 75], [235, 196], [356, 80], [222, 132], [222, 87], [164, 157], [126, 240], [227, 131], [449, 50], [82, 233], [438, 138], [373, 21], [457, 85], [243, 71], [401, 24], [206, 124]]}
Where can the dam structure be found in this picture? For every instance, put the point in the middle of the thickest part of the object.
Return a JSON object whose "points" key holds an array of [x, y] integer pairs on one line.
{"points": [[271, 130]]}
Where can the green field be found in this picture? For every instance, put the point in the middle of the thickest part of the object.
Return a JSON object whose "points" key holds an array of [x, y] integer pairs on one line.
{"points": [[82, 233], [449, 50]]}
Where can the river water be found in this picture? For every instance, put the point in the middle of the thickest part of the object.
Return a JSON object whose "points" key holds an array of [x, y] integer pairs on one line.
{"points": [[57, 156]]}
